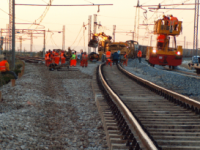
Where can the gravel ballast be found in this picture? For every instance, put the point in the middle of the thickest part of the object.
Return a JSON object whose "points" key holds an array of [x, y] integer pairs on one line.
{"points": [[171, 80], [51, 110]]}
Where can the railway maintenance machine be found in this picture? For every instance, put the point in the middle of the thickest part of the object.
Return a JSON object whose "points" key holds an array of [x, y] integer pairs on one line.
{"points": [[167, 53]]}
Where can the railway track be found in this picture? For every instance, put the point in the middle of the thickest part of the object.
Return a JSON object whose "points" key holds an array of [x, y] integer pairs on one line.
{"points": [[180, 72], [31, 59], [149, 116]]}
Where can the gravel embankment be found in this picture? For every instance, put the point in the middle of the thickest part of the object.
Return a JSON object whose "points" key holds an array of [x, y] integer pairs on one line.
{"points": [[182, 84], [50, 110]]}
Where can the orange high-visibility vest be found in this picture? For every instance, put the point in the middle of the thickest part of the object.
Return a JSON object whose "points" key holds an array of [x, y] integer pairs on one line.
{"points": [[125, 55], [139, 54], [84, 56], [174, 19], [3, 65], [108, 54], [161, 38], [62, 56]]}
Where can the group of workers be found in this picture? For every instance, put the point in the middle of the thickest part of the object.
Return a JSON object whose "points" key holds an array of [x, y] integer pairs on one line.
{"points": [[172, 21], [115, 57], [4, 68], [59, 57]]}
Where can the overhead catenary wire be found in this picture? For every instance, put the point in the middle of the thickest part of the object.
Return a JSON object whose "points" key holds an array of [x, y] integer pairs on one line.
{"points": [[77, 36]]}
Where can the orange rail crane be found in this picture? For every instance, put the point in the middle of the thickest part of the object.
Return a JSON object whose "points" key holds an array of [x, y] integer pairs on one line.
{"points": [[166, 52]]}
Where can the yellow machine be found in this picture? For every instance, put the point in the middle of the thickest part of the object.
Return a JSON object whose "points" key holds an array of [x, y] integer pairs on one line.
{"points": [[103, 42], [169, 53]]}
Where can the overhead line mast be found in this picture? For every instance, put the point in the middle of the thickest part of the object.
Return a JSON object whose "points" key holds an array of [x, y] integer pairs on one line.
{"points": [[196, 24]]}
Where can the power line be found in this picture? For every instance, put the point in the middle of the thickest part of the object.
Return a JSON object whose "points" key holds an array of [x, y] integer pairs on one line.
{"points": [[63, 5]]}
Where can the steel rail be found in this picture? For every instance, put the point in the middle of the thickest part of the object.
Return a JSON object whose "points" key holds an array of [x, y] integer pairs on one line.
{"points": [[191, 103], [146, 141]]}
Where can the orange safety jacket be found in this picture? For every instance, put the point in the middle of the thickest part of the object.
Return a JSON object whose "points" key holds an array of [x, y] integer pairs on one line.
{"points": [[56, 58], [161, 38], [84, 57], [174, 20], [3, 65], [139, 54], [108, 54], [125, 56], [47, 56], [62, 56]]}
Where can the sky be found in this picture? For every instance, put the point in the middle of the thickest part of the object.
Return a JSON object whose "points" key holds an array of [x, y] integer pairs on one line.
{"points": [[121, 13]]}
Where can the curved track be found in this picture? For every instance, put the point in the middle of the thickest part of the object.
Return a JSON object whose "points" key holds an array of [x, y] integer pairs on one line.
{"points": [[163, 119]]}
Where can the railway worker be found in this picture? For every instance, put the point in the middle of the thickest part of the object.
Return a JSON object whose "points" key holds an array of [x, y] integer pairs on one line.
{"points": [[173, 21], [139, 55], [62, 56], [81, 62], [72, 59], [125, 61], [4, 68], [115, 57], [45, 58], [166, 20], [108, 58], [75, 61], [84, 59], [160, 40], [56, 57]]}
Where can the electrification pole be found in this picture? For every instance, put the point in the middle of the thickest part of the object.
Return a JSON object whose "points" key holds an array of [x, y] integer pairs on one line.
{"points": [[89, 32], [31, 46], [196, 23], [95, 27], [13, 36], [63, 43], [20, 44], [44, 43], [184, 42], [114, 28]]}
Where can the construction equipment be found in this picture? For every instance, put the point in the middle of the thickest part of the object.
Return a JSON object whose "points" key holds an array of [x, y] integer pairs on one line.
{"points": [[168, 53], [104, 43]]}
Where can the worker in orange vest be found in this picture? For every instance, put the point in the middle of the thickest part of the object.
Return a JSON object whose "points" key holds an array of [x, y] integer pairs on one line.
{"points": [[139, 55], [108, 57], [4, 68], [166, 20], [173, 21], [62, 56], [45, 58], [160, 40], [125, 59], [84, 59], [56, 58]]}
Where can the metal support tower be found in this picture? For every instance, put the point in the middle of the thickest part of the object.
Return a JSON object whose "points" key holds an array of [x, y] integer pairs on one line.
{"points": [[31, 46], [196, 23], [89, 32], [137, 20], [10, 25], [44, 43], [95, 27], [63, 42], [114, 28], [13, 35], [20, 38]]}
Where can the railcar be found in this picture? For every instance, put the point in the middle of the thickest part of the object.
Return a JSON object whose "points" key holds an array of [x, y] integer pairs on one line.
{"points": [[169, 53]]}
